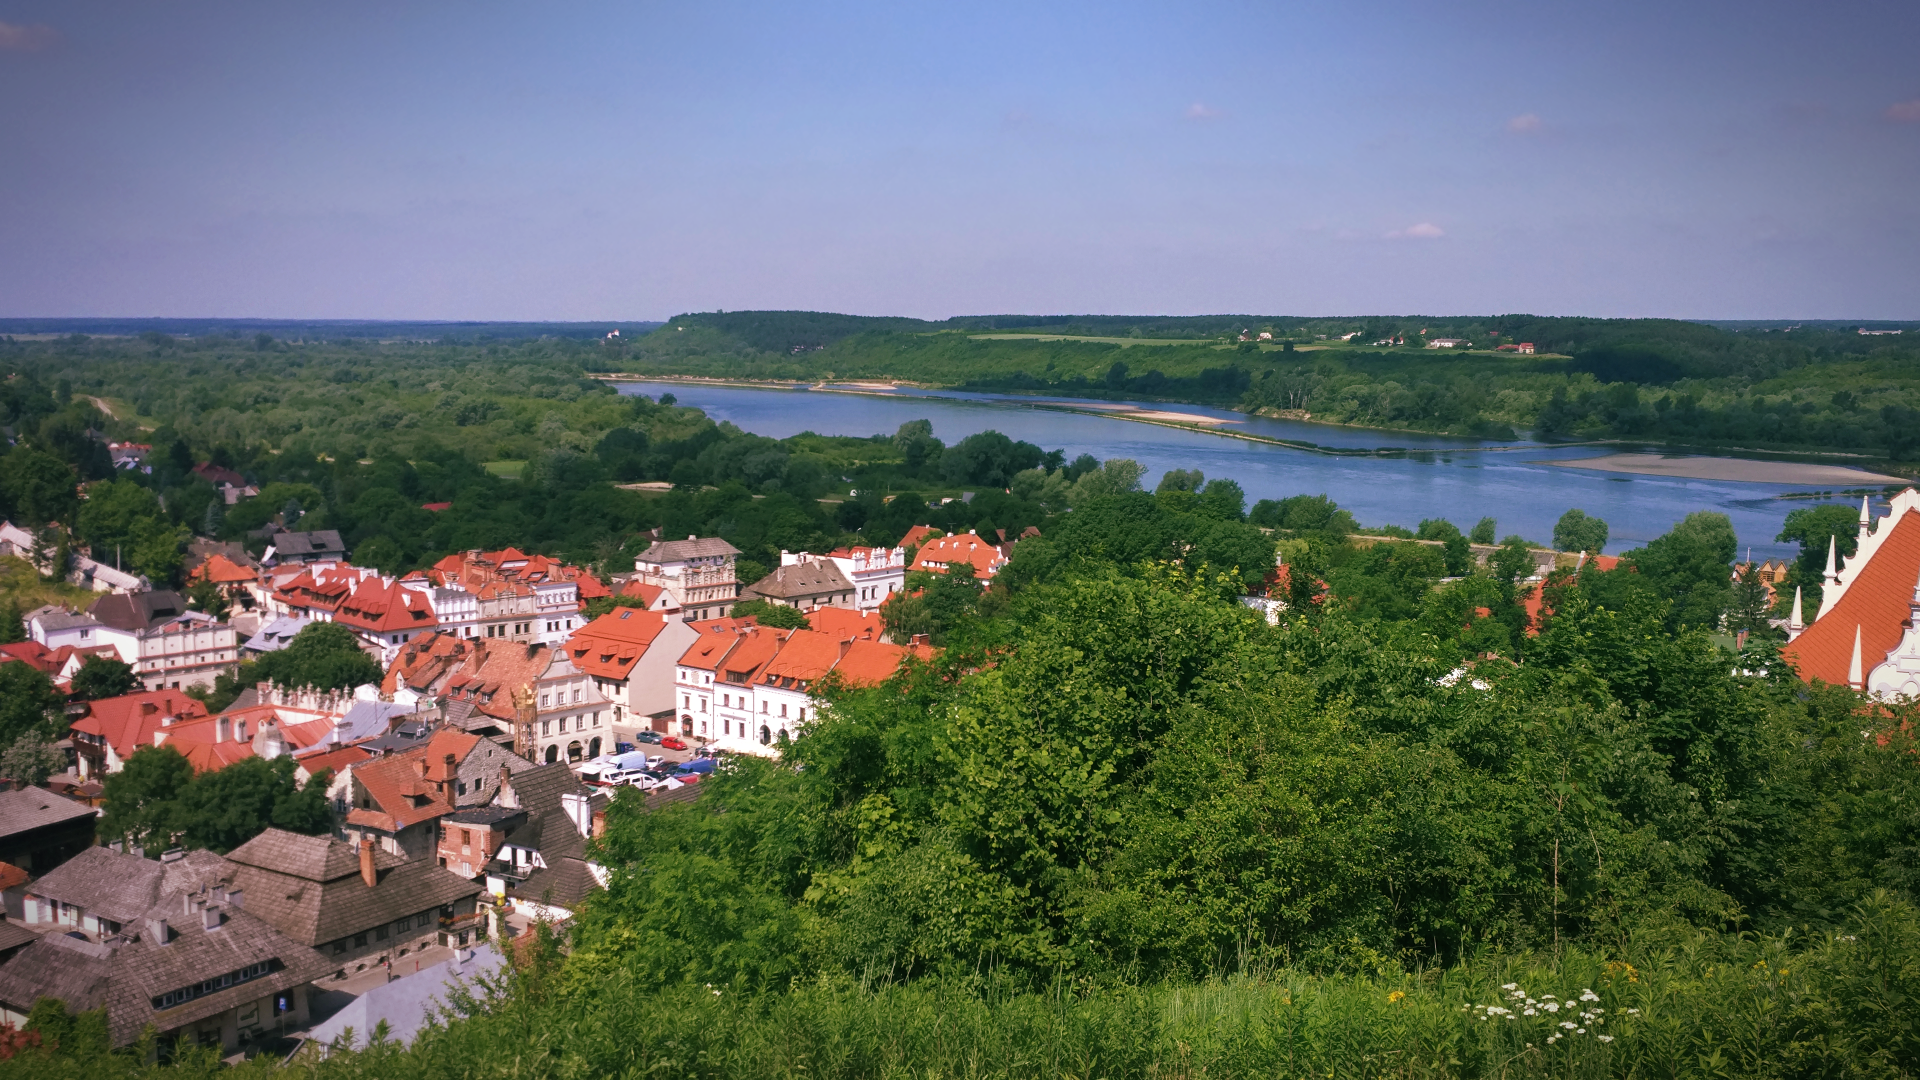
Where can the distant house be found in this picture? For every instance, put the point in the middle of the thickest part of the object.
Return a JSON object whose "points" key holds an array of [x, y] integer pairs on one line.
{"points": [[803, 581], [170, 646], [700, 572], [876, 572], [275, 635], [396, 801], [406, 1004], [541, 866], [320, 545], [1524, 348], [985, 557], [1448, 343], [110, 730]]}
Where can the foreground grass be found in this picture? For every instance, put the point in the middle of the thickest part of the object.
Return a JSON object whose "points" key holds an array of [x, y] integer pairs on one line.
{"points": [[1691, 1005]]}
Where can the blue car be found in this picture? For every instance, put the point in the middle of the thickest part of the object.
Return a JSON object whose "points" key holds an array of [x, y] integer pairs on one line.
{"points": [[697, 765]]}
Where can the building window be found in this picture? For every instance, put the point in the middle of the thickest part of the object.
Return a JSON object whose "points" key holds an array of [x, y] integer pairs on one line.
{"points": [[543, 700], [359, 941], [546, 727], [339, 947]]}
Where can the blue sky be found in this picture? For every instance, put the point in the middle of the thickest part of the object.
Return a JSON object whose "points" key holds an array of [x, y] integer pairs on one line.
{"points": [[629, 160]]}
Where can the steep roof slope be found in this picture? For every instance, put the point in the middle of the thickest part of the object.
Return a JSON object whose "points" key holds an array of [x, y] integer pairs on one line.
{"points": [[1876, 602]]}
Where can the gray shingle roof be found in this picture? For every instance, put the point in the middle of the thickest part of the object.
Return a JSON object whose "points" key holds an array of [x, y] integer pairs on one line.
{"points": [[404, 1003], [299, 889], [564, 883], [801, 579], [700, 547], [52, 618], [127, 974], [125, 887], [538, 789], [317, 542], [32, 808]]}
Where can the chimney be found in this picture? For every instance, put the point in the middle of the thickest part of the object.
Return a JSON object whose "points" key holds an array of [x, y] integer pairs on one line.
{"points": [[157, 930], [219, 893], [920, 639], [578, 808], [237, 897], [450, 762], [211, 917], [367, 873], [148, 708]]}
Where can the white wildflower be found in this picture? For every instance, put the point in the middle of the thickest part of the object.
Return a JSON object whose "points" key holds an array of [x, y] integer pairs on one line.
{"points": [[1551, 1006], [1588, 995], [1633, 1012], [1582, 1031], [1509, 986], [1568, 1024], [1532, 1012], [1604, 1038]]}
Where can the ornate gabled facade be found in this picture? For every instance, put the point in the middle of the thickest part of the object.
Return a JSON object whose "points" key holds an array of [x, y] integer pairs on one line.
{"points": [[1867, 634]]}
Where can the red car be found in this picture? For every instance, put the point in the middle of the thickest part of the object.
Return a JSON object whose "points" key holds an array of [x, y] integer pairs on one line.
{"points": [[673, 742]]}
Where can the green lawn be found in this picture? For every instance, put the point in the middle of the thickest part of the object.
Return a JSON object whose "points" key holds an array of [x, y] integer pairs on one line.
{"points": [[509, 470]]}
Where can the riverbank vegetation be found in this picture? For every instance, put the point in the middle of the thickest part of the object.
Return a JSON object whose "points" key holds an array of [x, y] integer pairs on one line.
{"points": [[1825, 388]]}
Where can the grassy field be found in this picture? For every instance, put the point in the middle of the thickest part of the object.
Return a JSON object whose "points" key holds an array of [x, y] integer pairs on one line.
{"points": [[21, 583], [509, 470]]}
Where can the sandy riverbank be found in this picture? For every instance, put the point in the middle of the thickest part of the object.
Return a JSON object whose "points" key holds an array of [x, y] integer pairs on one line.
{"points": [[1745, 470]]}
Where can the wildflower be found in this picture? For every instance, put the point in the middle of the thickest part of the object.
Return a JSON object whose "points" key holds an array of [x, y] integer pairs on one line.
{"points": [[1633, 1012], [1588, 995], [1509, 986], [1551, 1039], [1568, 1024], [1604, 1038], [1581, 1031], [1551, 1006], [1395, 996], [1532, 1012]]}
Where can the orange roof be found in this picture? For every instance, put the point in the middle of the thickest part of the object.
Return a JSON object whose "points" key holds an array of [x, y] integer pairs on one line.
{"points": [[871, 662], [845, 623], [917, 535], [1876, 602], [720, 639], [128, 722], [211, 756], [610, 645], [12, 877], [334, 761], [382, 606], [935, 555], [221, 571], [807, 655], [424, 661], [490, 675], [415, 784], [657, 597]]}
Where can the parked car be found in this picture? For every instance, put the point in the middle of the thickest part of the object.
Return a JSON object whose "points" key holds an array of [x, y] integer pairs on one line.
{"points": [[616, 777], [673, 742], [697, 765], [654, 761], [623, 748], [648, 737]]}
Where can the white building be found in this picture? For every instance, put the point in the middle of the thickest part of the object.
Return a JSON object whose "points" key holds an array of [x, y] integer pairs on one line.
{"points": [[876, 573]]}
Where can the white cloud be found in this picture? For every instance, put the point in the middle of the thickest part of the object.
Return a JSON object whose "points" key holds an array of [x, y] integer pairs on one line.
{"points": [[1198, 111], [27, 38], [1426, 230], [1524, 124], [1904, 112]]}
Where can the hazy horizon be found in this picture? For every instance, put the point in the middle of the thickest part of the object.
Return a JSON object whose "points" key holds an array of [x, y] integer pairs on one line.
{"points": [[484, 162]]}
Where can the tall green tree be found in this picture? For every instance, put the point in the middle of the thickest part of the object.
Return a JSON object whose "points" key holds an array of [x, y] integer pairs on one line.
{"points": [[141, 803], [323, 655], [103, 677], [1577, 531], [28, 702]]}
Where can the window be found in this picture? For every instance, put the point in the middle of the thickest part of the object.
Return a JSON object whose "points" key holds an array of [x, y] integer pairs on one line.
{"points": [[783, 710], [576, 695], [340, 946], [359, 941], [546, 727], [466, 842], [543, 700], [423, 919]]}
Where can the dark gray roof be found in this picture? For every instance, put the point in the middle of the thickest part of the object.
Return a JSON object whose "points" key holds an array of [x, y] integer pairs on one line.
{"points": [[137, 611], [563, 883], [126, 974], [13, 935], [482, 815], [32, 808], [693, 547], [314, 909], [275, 635], [801, 579], [552, 834], [314, 858], [538, 790], [405, 734], [124, 887], [317, 542]]}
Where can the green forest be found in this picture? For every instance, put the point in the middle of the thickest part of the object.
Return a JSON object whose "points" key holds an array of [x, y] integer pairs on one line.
{"points": [[1124, 825], [1825, 387]]}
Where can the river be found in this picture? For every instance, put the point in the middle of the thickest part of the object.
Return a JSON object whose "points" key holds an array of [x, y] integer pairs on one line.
{"points": [[1461, 480]]}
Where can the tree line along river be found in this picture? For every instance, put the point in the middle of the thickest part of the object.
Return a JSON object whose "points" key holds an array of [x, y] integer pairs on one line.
{"points": [[1458, 479]]}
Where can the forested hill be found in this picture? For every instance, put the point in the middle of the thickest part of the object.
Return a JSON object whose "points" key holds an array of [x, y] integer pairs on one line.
{"points": [[1849, 388]]}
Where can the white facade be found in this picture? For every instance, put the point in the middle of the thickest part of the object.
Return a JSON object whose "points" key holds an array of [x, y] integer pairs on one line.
{"points": [[191, 649], [557, 607], [876, 573], [572, 721]]}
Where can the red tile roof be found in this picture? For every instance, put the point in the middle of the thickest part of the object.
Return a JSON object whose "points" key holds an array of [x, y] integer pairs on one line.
{"points": [[34, 655], [491, 674], [1876, 601], [436, 507], [129, 722], [917, 535], [845, 623], [871, 662], [935, 555], [415, 784], [425, 661], [334, 761], [222, 571], [382, 606]]}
